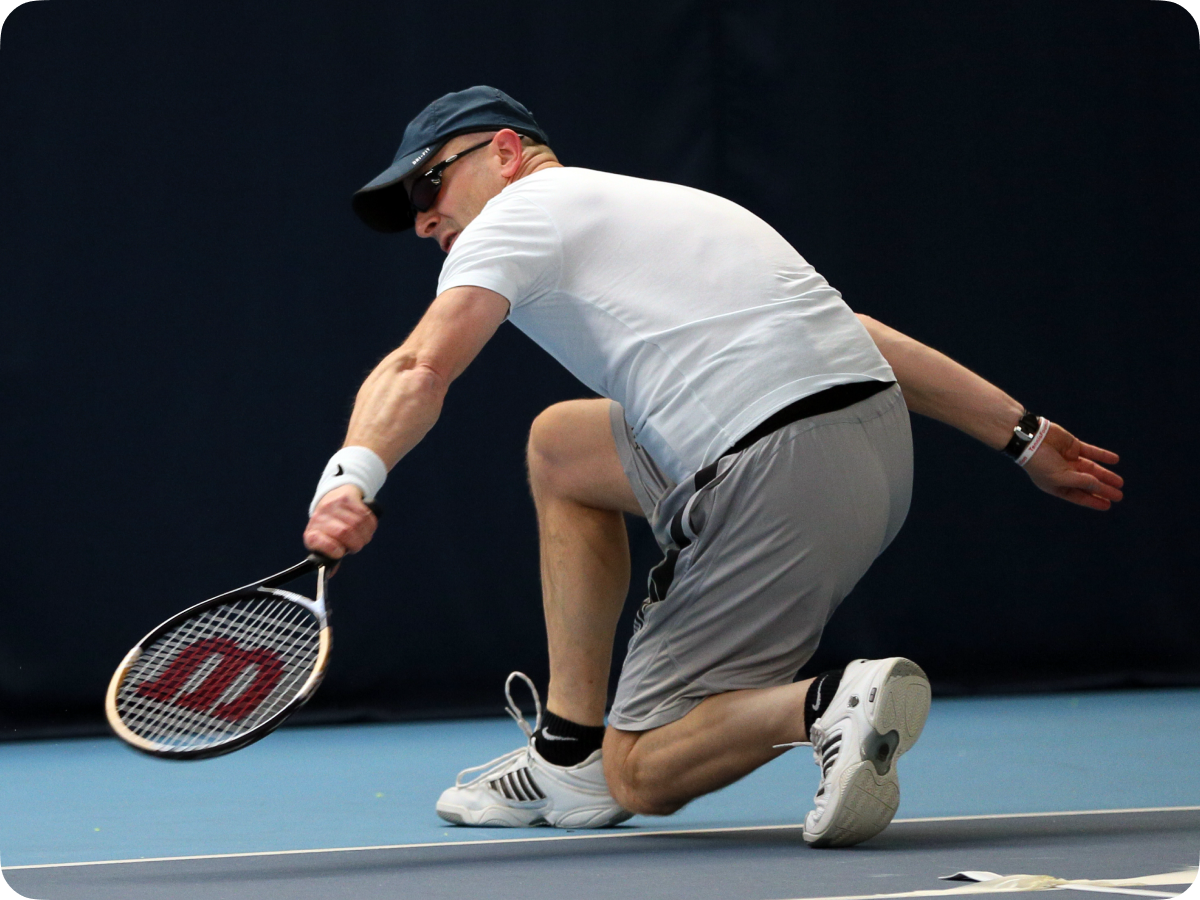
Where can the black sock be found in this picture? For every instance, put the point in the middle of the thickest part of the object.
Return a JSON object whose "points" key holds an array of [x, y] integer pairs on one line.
{"points": [[819, 696], [562, 742]]}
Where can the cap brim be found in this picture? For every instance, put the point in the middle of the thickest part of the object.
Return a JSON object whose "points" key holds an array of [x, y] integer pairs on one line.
{"points": [[382, 203], [384, 208]]}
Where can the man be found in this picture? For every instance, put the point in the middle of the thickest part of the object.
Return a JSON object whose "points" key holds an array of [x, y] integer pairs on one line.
{"points": [[750, 416]]}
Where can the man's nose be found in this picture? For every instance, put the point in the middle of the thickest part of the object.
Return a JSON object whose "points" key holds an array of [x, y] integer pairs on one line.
{"points": [[426, 223]]}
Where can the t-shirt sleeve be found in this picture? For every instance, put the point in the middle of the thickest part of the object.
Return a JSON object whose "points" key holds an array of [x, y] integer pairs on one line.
{"points": [[512, 248]]}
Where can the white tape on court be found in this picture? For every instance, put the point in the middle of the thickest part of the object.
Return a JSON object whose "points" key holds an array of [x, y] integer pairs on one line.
{"points": [[990, 882]]}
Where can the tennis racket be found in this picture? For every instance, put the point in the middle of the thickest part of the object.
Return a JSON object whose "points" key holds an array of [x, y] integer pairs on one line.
{"points": [[226, 672]]}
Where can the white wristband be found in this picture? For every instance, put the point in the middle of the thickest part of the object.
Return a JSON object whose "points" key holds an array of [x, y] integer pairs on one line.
{"points": [[359, 466], [1027, 454]]}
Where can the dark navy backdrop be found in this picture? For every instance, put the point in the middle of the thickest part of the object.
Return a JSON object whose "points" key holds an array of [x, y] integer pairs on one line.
{"points": [[189, 305]]}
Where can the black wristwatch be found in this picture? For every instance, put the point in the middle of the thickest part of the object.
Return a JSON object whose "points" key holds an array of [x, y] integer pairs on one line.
{"points": [[1023, 435]]}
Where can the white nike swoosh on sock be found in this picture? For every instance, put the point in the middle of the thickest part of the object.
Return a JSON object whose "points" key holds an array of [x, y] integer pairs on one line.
{"points": [[556, 737], [817, 699]]}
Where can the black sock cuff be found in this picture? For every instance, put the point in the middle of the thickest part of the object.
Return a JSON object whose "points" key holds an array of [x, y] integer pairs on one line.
{"points": [[568, 743], [566, 728], [819, 696]]}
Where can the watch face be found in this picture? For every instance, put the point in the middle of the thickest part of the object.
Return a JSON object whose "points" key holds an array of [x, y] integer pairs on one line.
{"points": [[1023, 434]]}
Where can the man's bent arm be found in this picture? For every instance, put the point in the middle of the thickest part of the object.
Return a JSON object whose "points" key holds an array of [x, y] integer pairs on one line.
{"points": [[401, 400], [936, 386]]}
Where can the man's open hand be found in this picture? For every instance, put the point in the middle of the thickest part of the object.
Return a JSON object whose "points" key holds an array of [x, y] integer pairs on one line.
{"points": [[341, 524], [1068, 468]]}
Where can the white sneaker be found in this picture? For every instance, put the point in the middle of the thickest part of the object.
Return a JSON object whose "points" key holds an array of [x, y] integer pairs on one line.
{"points": [[876, 715], [520, 789]]}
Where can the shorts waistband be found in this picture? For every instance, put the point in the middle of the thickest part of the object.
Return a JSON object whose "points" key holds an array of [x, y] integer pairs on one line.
{"points": [[829, 400]]}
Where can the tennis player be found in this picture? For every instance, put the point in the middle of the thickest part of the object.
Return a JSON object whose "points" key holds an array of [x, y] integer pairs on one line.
{"points": [[757, 423]]}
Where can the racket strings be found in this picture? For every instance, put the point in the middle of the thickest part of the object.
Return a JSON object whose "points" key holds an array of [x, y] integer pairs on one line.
{"points": [[180, 717], [220, 674], [224, 634]]}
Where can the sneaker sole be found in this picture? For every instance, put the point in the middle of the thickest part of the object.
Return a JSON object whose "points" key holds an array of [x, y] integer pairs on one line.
{"points": [[489, 817], [590, 818], [868, 804], [903, 706], [870, 790], [505, 817]]}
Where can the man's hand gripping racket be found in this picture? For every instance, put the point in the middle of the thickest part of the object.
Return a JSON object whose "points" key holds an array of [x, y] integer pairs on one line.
{"points": [[224, 673], [341, 523]]}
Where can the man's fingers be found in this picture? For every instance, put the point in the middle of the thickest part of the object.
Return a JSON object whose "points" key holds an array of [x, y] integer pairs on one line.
{"points": [[344, 518], [1105, 487], [1108, 477], [349, 536], [340, 526], [1099, 454], [1089, 484], [315, 539], [1083, 498], [345, 525]]}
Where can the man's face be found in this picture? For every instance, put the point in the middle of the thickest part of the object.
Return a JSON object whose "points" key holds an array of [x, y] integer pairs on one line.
{"points": [[467, 185]]}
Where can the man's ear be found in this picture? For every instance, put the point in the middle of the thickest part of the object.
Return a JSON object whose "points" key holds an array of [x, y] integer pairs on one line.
{"points": [[510, 150]]}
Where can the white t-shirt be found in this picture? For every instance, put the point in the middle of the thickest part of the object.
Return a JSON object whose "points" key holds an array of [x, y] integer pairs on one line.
{"points": [[690, 311]]}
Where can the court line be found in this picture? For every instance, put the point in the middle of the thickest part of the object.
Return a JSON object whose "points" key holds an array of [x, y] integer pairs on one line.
{"points": [[606, 835]]}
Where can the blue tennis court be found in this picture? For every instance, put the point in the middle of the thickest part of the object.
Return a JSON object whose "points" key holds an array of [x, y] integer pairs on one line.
{"points": [[1068, 786]]}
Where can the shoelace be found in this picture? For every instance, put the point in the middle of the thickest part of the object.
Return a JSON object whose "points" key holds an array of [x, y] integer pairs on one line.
{"points": [[515, 711], [489, 771], [825, 753]]}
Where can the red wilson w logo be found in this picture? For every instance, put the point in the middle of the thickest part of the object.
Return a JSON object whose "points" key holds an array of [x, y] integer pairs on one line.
{"points": [[234, 661]]}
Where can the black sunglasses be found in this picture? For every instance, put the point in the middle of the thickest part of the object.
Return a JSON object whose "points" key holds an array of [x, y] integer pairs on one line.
{"points": [[425, 189]]}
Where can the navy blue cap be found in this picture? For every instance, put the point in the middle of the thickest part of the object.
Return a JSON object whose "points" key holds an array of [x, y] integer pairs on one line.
{"points": [[383, 202]]}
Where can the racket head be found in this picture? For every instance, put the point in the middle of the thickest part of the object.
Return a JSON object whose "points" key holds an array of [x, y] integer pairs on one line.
{"points": [[222, 674]]}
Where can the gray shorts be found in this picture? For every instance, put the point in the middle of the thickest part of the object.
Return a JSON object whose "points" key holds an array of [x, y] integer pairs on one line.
{"points": [[761, 555]]}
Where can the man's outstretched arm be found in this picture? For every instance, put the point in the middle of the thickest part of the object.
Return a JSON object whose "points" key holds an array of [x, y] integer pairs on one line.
{"points": [[401, 400], [936, 386]]}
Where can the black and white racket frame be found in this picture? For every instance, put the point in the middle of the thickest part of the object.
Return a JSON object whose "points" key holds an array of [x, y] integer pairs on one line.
{"points": [[267, 587]]}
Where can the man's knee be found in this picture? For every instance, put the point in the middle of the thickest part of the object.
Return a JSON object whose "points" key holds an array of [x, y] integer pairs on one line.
{"points": [[550, 436], [571, 454], [631, 780]]}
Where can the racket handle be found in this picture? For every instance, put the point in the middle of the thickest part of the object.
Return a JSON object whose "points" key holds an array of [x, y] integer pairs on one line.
{"points": [[313, 562], [374, 507]]}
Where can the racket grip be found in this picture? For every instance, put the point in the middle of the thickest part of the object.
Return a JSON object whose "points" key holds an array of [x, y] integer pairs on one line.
{"points": [[374, 507]]}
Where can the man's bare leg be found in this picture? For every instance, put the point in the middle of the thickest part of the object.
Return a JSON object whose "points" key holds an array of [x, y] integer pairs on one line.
{"points": [[723, 739], [581, 492]]}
